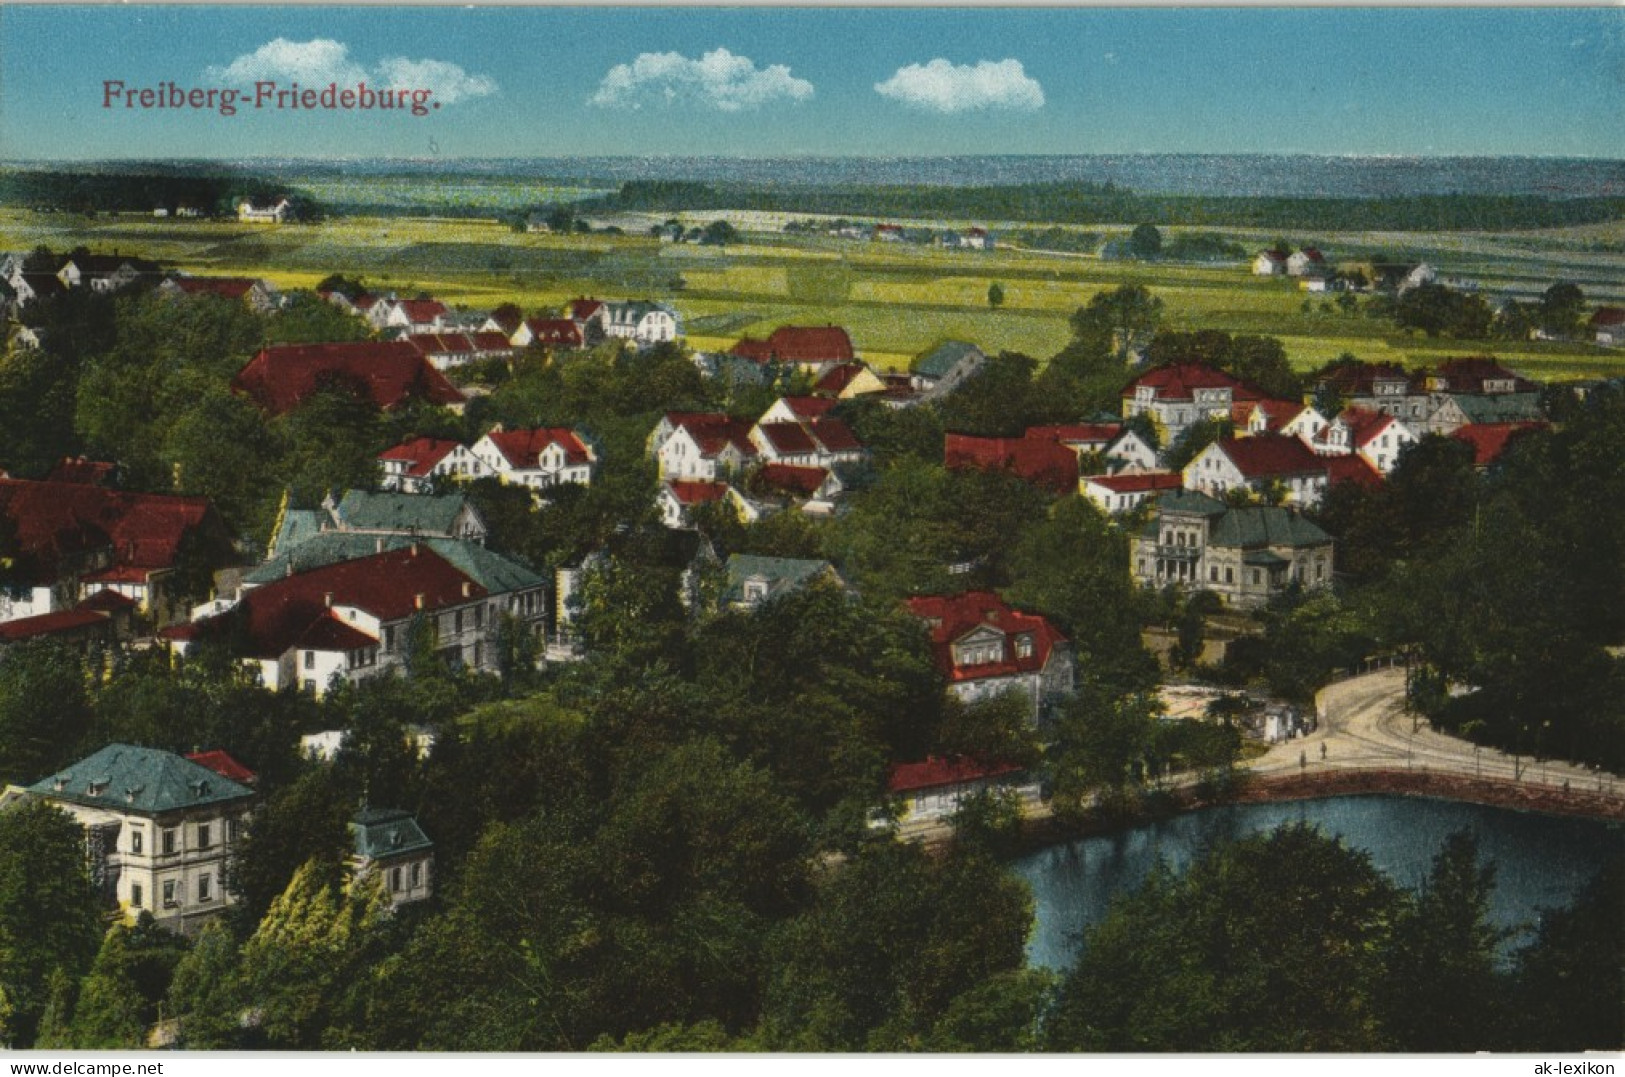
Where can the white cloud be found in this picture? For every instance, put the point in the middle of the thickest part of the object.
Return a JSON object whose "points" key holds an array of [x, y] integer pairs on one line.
{"points": [[309, 62], [940, 86], [449, 82], [322, 60], [718, 80]]}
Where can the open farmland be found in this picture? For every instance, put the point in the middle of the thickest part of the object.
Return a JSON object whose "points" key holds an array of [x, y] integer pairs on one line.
{"points": [[897, 300]]}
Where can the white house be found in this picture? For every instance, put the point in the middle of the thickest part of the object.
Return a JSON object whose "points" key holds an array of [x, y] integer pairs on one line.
{"points": [[274, 214], [160, 830], [701, 445], [641, 321], [984, 648], [1261, 464], [412, 466], [1375, 435], [539, 459], [1126, 492], [391, 845]]}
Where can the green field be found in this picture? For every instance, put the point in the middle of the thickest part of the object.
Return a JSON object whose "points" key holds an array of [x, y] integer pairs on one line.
{"points": [[896, 300]]}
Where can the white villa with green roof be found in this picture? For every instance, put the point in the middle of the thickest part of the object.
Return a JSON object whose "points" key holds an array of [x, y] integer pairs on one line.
{"points": [[159, 828], [1245, 555], [753, 580], [391, 844]]}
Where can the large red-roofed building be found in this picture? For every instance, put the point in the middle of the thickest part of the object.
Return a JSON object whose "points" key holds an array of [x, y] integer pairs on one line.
{"points": [[984, 647], [388, 373]]}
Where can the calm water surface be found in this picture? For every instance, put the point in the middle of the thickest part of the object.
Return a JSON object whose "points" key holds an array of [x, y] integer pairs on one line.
{"points": [[1542, 861]]}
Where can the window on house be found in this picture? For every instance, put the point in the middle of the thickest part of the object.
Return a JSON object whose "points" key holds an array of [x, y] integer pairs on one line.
{"points": [[204, 838], [1257, 577], [417, 876], [310, 684], [231, 831], [136, 896], [170, 839], [457, 621], [310, 659], [172, 893], [1213, 573], [1024, 646], [205, 885], [136, 841], [389, 640], [1229, 575], [395, 880]]}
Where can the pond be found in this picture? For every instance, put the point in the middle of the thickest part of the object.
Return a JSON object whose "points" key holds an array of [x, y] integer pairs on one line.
{"points": [[1542, 861]]}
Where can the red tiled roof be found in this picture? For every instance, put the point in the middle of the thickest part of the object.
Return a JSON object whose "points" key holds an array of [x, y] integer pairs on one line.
{"points": [[278, 615], [555, 331], [1358, 379], [509, 322], [803, 481], [48, 624], [808, 407], [225, 287], [952, 617], [836, 379], [835, 435], [799, 344], [55, 520], [1607, 316], [279, 378], [690, 492], [1277, 413], [224, 765], [1469, 375], [80, 470], [422, 311], [1077, 433], [1270, 455], [1365, 424], [1178, 381], [490, 342], [1351, 468], [713, 432], [582, 309], [421, 454], [107, 601], [788, 439], [521, 448], [938, 771], [1145, 482], [1489, 440], [1043, 463]]}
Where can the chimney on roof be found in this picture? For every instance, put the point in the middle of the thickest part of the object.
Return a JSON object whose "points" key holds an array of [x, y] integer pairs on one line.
{"points": [[380, 547], [418, 601], [414, 549], [468, 589], [290, 567], [327, 599]]}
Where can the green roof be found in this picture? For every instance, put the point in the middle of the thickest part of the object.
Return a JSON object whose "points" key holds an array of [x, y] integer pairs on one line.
{"points": [[146, 781], [495, 572], [1500, 407], [423, 514], [298, 526], [1265, 559], [381, 833], [1191, 502], [939, 361], [781, 574], [1262, 525]]}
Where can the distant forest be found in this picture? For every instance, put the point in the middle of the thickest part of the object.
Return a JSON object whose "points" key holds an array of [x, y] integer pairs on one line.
{"points": [[107, 190], [1083, 203]]}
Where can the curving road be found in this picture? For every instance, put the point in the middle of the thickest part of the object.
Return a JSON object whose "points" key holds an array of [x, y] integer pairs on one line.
{"points": [[1363, 724]]}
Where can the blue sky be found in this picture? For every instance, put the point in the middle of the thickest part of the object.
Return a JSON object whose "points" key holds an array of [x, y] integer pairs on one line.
{"points": [[824, 81]]}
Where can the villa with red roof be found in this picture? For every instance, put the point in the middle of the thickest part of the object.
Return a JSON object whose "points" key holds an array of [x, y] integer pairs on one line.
{"points": [[389, 373], [811, 348], [409, 316], [935, 788], [551, 332], [1180, 395], [539, 458], [984, 648], [1046, 464], [412, 466], [352, 619], [447, 350], [701, 445], [74, 540], [259, 294], [677, 498], [1259, 464], [1375, 435], [1489, 440]]}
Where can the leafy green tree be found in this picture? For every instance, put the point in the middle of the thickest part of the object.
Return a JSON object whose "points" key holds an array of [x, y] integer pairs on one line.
{"points": [[995, 295], [1130, 314], [1561, 309], [55, 1033], [719, 233], [1004, 1014], [995, 402], [1273, 943], [1444, 992], [1570, 982], [109, 1013], [44, 709], [1145, 242], [50, 917], [302, 828], [203, 995]]}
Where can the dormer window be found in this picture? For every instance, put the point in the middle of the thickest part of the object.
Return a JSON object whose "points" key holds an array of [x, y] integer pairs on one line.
{"points": [[1024, 646]]}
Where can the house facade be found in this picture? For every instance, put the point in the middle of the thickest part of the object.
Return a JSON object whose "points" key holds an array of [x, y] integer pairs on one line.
{"points": [[1245, 555], [160, 830], [984, 648], [392, 846], [1177, 397], [1264, 464], [537, 459], [413, 466]]}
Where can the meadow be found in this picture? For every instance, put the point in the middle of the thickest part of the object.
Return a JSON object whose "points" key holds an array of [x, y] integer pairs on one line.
{"points": [[897, 300]]}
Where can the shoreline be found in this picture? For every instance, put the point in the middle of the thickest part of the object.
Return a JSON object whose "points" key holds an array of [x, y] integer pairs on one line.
{"points": [[1044, 830]]}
